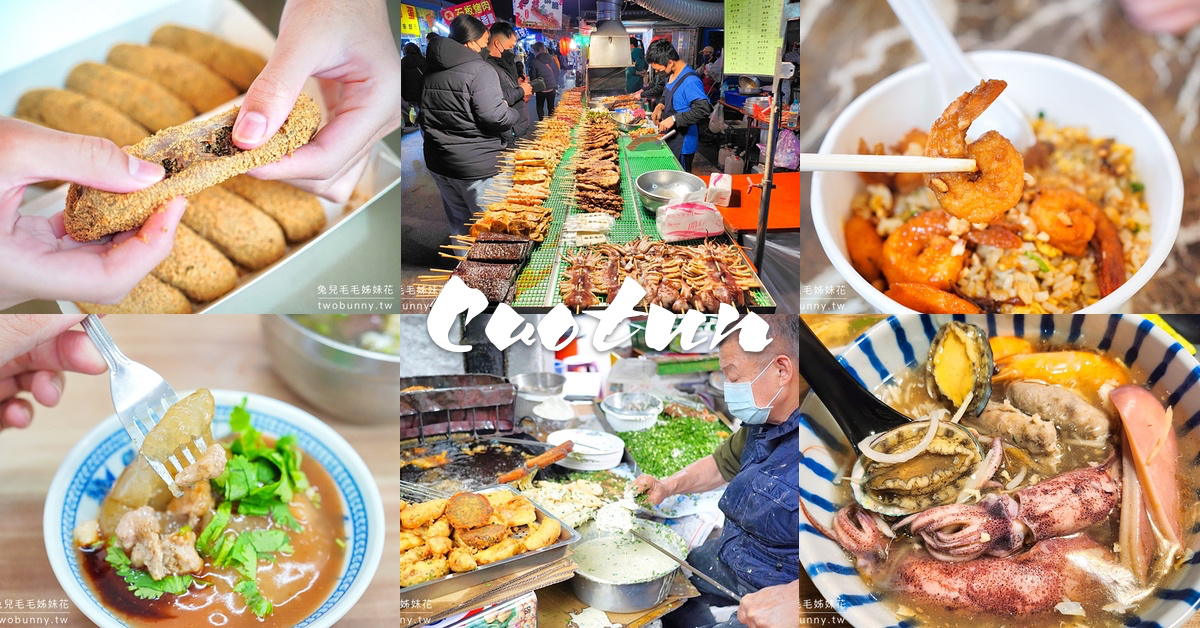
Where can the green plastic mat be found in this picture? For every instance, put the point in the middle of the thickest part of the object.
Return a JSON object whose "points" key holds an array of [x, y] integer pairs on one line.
{"points": [[541, 275]]}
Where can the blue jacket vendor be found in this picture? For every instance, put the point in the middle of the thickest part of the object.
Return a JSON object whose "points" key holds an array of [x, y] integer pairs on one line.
{"points": [[757, 555], [683, 104]]}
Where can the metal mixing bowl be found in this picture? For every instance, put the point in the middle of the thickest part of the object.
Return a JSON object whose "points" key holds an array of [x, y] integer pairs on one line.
{"points": [[634, 597], [626, 121], [347, 382], [657, 187]]}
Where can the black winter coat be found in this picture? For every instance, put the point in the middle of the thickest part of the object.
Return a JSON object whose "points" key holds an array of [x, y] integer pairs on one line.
{"points": [[545, 67], [513, 94], [412, 78], [464, 117]]}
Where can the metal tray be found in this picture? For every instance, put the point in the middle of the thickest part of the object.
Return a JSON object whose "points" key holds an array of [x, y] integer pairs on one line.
{"points": [[457, 403], [454, 582]]}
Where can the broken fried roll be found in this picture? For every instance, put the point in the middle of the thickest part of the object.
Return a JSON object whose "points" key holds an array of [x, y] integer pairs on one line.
{"points": [[196, 156]]}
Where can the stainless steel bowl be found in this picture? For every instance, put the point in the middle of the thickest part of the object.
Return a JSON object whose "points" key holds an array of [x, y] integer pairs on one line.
{"points": [[533, 389], [539, 383], [656, 187], [626, 121], [628, 598], [622, 598], [347, 382]]}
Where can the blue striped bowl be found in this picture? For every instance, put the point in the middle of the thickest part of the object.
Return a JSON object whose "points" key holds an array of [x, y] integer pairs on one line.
{"points": [[899, 343], [89, 470]]}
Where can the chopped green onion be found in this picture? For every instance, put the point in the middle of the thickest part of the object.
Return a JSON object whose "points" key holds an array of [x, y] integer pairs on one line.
{"points": [[1040, 262], [1137, 186]]}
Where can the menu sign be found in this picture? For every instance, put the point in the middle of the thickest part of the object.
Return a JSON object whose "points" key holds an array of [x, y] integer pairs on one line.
{"points": [[482, 9], [540, 14], [753, 38]]}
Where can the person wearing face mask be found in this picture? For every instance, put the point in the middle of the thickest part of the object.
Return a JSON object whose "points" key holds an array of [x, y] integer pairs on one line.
{"points": [[757, 555], [683, 103], [464, 119], [499, 54]]}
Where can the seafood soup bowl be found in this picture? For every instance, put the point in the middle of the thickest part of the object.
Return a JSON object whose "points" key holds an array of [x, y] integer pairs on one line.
{"points": [[1068, 94], [899, 343], [93, 465]]}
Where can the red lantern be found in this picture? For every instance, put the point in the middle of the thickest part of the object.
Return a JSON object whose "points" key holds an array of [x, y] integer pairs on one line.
{"points": [[564, 46]]}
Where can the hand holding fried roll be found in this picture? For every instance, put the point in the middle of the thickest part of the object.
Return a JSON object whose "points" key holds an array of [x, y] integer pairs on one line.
{"points": [[197, 155]]}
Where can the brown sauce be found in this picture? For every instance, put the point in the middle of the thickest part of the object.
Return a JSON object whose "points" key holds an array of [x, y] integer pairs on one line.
{"points": [[296, 584]]}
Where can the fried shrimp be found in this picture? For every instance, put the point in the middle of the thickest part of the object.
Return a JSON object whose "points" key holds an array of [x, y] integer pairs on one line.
{"points": [[1073, 222], [1067, 217], [865, 247], [920, 251], [996, 186], [929, 300]]}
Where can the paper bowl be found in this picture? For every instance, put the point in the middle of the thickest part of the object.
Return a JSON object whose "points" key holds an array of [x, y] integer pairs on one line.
{"points": [[900, 343], [1069, 94], [91, 467]]}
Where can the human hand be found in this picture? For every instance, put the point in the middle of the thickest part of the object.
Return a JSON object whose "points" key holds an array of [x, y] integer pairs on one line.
{"points": [[1162, 16], [657, 113], [772, 607], [525, 87], [349, 46], [666, 125], [34, 351], [37, 257], [655, 490], [638, 93]]}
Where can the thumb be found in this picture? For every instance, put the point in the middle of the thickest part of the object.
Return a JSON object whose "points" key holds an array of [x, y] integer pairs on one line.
{"points": [[41, 154], [271, 96], [20, 333]]}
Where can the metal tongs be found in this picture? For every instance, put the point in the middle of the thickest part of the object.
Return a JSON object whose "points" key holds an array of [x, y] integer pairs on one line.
{"points": [[141, 398]]}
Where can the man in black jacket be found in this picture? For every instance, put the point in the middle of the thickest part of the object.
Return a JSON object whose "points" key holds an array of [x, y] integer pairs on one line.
{"points": [[502, 38], [412, 76], [464, 119]]}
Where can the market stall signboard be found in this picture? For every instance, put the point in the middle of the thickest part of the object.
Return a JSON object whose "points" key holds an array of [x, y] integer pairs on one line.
{"points": [[409, 24], [482, 10], [540, 14], [753, 36]]}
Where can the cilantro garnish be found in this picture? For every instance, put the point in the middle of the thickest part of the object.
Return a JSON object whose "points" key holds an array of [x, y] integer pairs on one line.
{"points": [[139, 581], [254, 600], [260, 480]]}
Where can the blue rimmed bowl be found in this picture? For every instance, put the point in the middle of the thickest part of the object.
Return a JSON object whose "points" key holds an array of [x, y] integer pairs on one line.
{"points": [[92, 466], [897, 344]]}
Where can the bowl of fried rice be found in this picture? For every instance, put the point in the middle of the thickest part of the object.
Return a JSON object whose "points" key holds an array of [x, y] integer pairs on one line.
{"points": [[1098, 147]]}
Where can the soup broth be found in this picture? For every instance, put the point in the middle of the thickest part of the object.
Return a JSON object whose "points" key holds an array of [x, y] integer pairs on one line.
{"points": [[907, 393], [297, 583]]}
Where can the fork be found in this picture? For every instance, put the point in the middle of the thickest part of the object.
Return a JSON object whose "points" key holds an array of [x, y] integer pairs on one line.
{"points": [[141, 398]]}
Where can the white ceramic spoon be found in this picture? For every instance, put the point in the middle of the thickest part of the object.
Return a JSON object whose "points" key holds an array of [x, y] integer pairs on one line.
{"points": [[956, 74]]}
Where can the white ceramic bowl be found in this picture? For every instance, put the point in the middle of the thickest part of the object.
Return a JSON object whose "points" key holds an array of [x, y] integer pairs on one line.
{"points": [[622, 419], [899, 343], [603, 451], [91, 467], [1070, 95]]}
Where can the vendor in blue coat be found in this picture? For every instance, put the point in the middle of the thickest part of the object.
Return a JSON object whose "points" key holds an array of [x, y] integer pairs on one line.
{"points": [[682, 105], [757, 555]]}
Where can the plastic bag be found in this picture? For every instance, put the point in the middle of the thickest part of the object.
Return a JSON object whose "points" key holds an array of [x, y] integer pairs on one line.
{"points": [[787, 150], [716, 120], [689, 218]]}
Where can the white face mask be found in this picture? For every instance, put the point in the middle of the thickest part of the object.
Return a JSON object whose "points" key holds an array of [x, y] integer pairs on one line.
{"points": [[739, 398]]}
